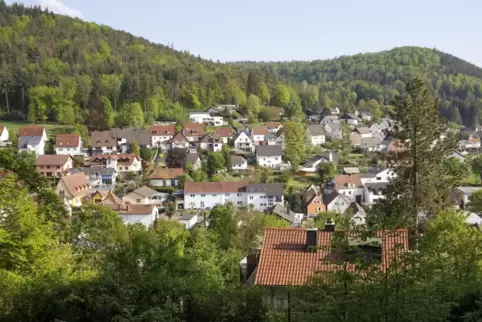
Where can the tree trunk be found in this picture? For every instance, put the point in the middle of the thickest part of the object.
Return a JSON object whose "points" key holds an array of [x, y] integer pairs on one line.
{"points": [[6, 99]]}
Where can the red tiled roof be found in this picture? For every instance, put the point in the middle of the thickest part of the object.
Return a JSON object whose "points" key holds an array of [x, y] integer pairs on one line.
{"points": [[67, 140], [224, 132], [343, 180], [52, 159], [179, 137], [121, 158], [260, 130], [31, 131], [77, 184], [273, 125], [194, 129], [284, 259], [2, 128], [162, 130], [166, 173], [214, 187]]}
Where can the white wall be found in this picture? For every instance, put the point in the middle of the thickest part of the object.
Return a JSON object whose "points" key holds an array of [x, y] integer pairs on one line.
{"points": [[242, 166], [269, 162], [164, 182], [261, 202], [69, 150], [188, 224], [317, 139], [351, 193], [209, 200], [147, 220], [258, 138], [156, 139], [245, 139], [370, 197]]}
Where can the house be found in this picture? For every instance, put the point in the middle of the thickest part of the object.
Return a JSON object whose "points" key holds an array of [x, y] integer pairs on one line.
{"points": [[271, 139], [125, 137], [386, 124], [335, 202], [145, 196], [371, 143], [350, 119], [194, 131], [312, 163], [274, 127], [356, 214], [329, 119], [292, 257], [363, 131], [54, 165], [179, 141], [472, 143], [122, 163], [225, 133], [206, 118], [457, 155], [161, 136], [194, 160], [103, 197], [4, 136], [378, 175], [461, 195], [73, 188], [165, 177], [211, 142], [373, 191], [334, 130], [350, 186], [98, 176], [103, 142], [68, 144], [243, 142], [355, 140], [206, 195], [315, 134], [374, 128], [312, 198], [269, 155], [238, 163], [187, 220], [32, 139], [133, 214], [258, 133], [366, 116], [295, 219]]}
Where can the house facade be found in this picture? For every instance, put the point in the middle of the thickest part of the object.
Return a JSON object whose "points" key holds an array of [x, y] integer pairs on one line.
{"points": [[73, 188], [243, 142], [122, 163], [206, 118], [4, 136], [68, 144], [53, 165], [239, 163], [225, 133], [32, 139], [103, 143], [269, 156], [194, 132], [145, 196], [98, 176], [350, 186], [211, 142], [161, 136], [165, 177], [134, 214], [206, 195], [315, 134], [258, 134]]}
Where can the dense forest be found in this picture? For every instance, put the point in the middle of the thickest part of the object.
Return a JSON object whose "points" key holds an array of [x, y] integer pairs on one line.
{"points": [[60, 69], [368, 81]]}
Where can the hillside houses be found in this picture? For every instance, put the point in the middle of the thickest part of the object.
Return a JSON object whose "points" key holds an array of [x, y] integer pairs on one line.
{"points": [[32, 139]]}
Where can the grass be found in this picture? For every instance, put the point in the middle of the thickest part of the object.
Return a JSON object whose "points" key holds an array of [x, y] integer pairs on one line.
{"points": [[301, 182], [51, 129]]}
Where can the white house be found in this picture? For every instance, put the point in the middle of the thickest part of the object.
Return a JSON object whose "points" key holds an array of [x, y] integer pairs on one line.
{"points": [[312, 163], [462, 195], [378, 175], [145, 196], [349, 118], [32, 139], [243, 142], [133, 214], [315, 134], [239, 163], [194, 160], [121, 162], [211, 142], [373, 191], [98, 176], [274, 127], [333, 129], [336, 202], [206, 118], [187, 220], [73, 188], [350, 186], [328, 119], [103, 142], [161, 136], [258, 134], [68, 144], [374, 128], [4, 136], [269, 156], [206, 195], [165, 177]]}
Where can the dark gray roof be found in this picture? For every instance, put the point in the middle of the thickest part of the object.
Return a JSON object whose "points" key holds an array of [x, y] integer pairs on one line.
{"points": [[141, 137], [271, 189], [376, 186], [269, 150], [192, 157], [94, 170], [283, 212], [355, 209], [329, 197], [186, 216], [350, 116], [236, 159], [311, 161], [316, 129], [334, 155], [23, 141], [270, 136]]}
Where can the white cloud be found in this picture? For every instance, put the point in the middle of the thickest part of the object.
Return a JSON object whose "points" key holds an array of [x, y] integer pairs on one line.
{"points": [[57, 6]]}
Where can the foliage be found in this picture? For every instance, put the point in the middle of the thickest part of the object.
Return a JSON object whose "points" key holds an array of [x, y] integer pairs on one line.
{"points": [[224, 224], [170, 209], [476, 165], [295, 149], [215, 162], [325, 171], [134, 148]]}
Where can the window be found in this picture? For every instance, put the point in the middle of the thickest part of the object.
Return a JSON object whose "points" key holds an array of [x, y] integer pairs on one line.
{"points": [[264, 159], [251, 197], [214, 195], [227, 194], [349, 192], [240, 203], [239, 195], [203, 195], [202, 204], [138, 200], [379, 178], [192, 196], [276, 159]]}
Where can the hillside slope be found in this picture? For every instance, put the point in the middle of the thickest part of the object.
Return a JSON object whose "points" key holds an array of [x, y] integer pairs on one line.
{"points": [[62, 69], [347, 80]]}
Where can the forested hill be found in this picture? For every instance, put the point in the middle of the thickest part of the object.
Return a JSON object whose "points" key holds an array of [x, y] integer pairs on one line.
{"points": [[61, 69], [347, 80]]}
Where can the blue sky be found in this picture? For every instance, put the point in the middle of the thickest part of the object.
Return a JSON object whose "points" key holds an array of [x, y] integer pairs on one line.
{"points": [[229, 30]]}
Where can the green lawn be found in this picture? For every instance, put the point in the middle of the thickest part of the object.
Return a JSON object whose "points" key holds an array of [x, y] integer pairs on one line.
{"points": [[51, 129]]}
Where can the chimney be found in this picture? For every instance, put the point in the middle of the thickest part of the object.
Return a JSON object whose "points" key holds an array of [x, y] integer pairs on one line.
{"points": [[330, 225], [330, 156], [311, 237]]}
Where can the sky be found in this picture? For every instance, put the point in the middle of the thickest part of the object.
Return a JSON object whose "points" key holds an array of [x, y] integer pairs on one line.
{"points": [[274, 30]]}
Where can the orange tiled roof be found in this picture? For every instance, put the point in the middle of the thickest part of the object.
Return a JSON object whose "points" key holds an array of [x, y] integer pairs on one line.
{"points": [[224, 132], [162, 130], [166, 173], [194, 129], [284, 259], [343, 180], [214, 187], [260, 130], [52, 159], [67, 140], [31, 130]]}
